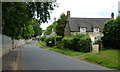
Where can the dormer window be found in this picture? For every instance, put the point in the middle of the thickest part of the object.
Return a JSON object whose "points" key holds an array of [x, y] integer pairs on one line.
{"points": [[95, 29], [82, 29]]}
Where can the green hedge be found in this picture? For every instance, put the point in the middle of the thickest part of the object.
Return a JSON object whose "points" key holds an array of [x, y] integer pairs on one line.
{"points": [[78, 42], [52, 40], [42, 38]]}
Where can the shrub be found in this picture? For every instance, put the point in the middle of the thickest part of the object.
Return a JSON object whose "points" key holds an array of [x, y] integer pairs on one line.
{"points": [[78, 42], [50, 41], [59, 45], [111, 36], [42, 38]]}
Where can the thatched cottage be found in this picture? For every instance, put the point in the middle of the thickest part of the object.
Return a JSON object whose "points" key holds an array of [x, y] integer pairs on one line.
{"points": [[91, 26]]}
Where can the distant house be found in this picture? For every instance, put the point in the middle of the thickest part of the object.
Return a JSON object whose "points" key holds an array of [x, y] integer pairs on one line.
{"points": [[91, 26]]}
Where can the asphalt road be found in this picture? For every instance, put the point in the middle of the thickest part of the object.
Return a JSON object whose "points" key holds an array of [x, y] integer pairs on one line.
{"points": [[36, 58]]}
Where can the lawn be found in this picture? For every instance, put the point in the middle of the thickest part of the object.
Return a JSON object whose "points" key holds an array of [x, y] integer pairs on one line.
{"points": [[108, 58]]}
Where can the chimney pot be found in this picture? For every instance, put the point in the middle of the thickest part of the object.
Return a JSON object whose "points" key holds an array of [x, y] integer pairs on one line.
{"points": [[112, 15], [68, 14]]}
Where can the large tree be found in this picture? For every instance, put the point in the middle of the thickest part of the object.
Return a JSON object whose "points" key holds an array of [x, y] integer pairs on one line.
{"points": [[61, 25], [17, 15], [111, 31]]}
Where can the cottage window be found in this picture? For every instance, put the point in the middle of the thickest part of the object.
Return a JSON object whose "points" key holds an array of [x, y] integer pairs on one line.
{"points": [[82, 29], [95, 29]]}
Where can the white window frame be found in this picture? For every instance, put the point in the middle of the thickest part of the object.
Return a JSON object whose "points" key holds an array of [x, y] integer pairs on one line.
{"points": [[96, 29], [83, 29]]}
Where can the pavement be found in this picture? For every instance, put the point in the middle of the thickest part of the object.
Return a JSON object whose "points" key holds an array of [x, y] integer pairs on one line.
{"points": [[12, 60], [36, 58]]}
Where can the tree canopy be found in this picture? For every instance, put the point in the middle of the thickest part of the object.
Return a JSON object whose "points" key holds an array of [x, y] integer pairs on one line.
{"points": [[61, 25], [18, 18], [58, 26], [111, 33]]}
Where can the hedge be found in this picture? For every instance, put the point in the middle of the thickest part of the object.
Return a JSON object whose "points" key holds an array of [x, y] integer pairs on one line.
{"points": [[42, 38], [50, 41], [78, 42]]}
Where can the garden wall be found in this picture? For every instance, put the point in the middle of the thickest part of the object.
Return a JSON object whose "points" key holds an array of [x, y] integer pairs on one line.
{"points": [[7, 44]]}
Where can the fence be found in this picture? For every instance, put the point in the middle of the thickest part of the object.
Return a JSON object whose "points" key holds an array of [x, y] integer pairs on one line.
{"points": [[7, 44]]}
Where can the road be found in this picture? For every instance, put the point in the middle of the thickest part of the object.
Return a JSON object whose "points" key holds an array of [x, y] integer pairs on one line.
{"points": [[36, 58]]}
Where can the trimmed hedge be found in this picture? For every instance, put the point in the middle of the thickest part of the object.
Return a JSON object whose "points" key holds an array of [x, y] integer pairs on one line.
{"points": [[42, 38], [50, 41], [78, 42]]}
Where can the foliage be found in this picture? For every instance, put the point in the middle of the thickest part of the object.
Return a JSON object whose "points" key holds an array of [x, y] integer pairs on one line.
{"points": [[60, 45], [78, 42], [49, 29], [58, 26], [18, 16], [28, 32], [42, 38], [52, 39], [111, 33], [36, 27], [63, 51], [61, 25]]}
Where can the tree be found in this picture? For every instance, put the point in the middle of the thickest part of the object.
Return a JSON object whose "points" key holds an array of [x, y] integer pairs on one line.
{"points": [[36, 27], [61, 25], [18, 15], [28, 32], [49, 29], [58, 26], [111, 33]]}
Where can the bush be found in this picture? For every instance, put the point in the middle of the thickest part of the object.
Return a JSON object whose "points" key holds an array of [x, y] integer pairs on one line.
{"points": [[78, 42], [111, 36], [42, 38], [50, 41], [59, 45]]}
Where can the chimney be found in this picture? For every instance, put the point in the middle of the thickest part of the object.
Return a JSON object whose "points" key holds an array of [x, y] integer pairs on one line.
{"points": [[112, 15], [68, 14]]}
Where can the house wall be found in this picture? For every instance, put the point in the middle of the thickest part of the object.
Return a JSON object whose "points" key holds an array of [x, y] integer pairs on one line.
{"points": [[91, 34], [94, 34], [67, 30]]}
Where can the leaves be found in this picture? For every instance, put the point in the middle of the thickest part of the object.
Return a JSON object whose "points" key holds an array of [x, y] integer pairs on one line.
{"points": [[58, 26], [111, 33], [18, 18]]}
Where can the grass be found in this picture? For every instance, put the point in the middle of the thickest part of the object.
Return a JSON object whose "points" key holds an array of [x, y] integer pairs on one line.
{"points": [[63, 51], [108, 58], [67, 52]]}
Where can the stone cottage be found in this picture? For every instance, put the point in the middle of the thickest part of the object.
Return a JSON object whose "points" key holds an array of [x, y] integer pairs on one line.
{"points": [[91, 26]]}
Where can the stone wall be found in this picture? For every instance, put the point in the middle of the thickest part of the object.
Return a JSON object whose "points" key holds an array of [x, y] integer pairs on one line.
{"points": [[7, 44], [0, 45]]}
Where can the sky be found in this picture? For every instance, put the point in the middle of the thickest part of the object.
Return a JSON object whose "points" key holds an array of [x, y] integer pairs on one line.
{"points": [[84, 8]]}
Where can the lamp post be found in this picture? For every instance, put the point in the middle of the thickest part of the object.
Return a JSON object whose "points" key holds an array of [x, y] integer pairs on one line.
{"points": [[55, 31]]}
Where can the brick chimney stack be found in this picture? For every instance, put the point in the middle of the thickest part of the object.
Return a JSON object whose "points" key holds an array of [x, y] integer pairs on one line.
{"points": [[112, 15], [68, 14]]}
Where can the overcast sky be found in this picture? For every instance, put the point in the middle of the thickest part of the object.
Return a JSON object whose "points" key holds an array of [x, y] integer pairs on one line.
{"points": [[84, 8]]}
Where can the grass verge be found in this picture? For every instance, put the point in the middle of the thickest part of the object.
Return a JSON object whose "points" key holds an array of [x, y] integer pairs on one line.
{"points": [[63, 51], [108, 58]]}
